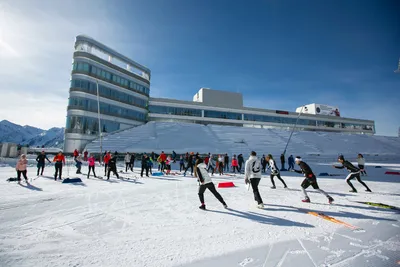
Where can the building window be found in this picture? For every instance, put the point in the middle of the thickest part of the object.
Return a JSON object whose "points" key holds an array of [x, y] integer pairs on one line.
{"points": [[88, 125], [222, 115], [175, 111]]}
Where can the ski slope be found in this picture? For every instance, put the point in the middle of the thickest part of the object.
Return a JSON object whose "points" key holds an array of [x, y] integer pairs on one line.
{"points": [[156, 222], [186, 137]]}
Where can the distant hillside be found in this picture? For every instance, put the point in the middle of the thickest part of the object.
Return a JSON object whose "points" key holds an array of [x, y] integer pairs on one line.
{"points": [[32, 136]]}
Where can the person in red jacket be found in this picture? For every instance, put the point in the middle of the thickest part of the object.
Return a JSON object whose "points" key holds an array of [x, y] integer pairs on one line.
{"points": [[59, 160], [106, 159], [163, 158], [235, 164], [76, 153]]}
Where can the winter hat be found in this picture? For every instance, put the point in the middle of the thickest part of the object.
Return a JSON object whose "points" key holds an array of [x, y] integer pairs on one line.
{"points": [[341, 157], [298, 158], [253, 153]]}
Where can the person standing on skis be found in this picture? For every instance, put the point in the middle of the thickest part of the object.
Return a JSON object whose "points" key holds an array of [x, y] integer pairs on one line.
{"points": [[310, 179], [354, 173], [252, 175], [206, 183], [274, 172]]}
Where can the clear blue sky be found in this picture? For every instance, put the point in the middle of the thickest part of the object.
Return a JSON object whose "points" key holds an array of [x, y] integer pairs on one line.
{"points": [[279, 54]]}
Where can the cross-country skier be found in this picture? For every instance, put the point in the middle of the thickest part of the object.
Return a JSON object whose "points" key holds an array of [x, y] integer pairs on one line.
{"points": [[361, 164], [59, 160], [354, 173], [252, 175], [112, 166], [21, 166], [310, 179], [206, 183], [127, 161], [41, 162], [274, 172], [91, 162], [145, 165]]}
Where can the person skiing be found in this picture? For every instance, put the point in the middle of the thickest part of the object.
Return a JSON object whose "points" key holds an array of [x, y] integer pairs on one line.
{"points": [[291, 163], [274, 172], [91, 162], [78, 164], [41, 162], [21, 167], [252, 175], [283, 162], [361, 164], [354, 173], [127, 161], [106, 159], [189, 164], [235, 164], [145, 165], [59, 160], [205, 182], [310, 179], [132, 161], [226, 162], [112, 166], [240, 162], [181, 163]]}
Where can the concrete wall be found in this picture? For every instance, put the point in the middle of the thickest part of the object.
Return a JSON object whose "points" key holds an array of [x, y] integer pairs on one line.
{"points": [[220, 98]]}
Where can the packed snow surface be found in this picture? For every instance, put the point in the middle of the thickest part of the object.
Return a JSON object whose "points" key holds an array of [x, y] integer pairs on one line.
{"points": [[156, 221]]}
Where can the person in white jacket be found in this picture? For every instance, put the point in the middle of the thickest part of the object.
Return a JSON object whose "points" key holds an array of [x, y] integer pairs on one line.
{"points": [[274, 172], [127, 161], [206, 183], [252, 175], [361, 164]]}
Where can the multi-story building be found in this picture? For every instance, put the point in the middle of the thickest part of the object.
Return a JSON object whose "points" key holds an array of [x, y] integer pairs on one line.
{"points": [[123, 92], [124, 88]]}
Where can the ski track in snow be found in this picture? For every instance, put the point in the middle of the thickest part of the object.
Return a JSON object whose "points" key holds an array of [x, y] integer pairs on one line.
{"points": [[156, 222]]}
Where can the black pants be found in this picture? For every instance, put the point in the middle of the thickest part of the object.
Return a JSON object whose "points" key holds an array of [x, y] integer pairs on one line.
{"points": [[40, 166], [356, 175], [58, 167], [191, 168], [19, 175], [283, 165], [240, 167], [221, 168], [278, 175], [254, 184], [114, 170], [162, 166], [235, 168], [132, 164], [264, 166], [211, 167], [291, 166], [361, 167], [226, 166], [310, 181], [105, 168], [91, 168], [181, 166], [127, 166], [211, 187], [147, 171]]}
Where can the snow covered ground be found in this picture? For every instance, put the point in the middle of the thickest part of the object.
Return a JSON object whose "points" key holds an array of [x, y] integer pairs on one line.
{"points": [[156, 222]]}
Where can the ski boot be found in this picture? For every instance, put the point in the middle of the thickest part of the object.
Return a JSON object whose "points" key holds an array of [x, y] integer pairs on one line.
{"points": [[353, 191], [273, 187], [306, 200], [330, 200], [225, 206], [368, 190], [202, 207], [260, 206]]}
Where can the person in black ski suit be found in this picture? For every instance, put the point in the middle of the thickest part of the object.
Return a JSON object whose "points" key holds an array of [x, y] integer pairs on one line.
{"points": [[132, 162], [145, 165], [354, 173], [310, 179], [291, 163], [283, 162], [189, 164], [41, 162], [274, 171], [240, 162], [112, 166]]}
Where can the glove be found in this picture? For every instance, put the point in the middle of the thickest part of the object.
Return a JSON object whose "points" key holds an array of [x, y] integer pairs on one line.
{"points": [[246, 180]]}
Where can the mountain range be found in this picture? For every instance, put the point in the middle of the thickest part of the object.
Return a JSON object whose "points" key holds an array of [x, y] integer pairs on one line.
{"points": [[32, 136]]}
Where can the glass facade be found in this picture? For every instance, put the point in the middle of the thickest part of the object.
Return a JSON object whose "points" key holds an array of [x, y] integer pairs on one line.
{"points": [[90, 88], [175, 111], [253, 118], [86, 68], [88, 125], [106, 109], [222, 115]]}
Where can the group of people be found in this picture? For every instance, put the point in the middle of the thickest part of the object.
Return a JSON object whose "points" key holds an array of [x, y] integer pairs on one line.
{"points": [[253, 173]]}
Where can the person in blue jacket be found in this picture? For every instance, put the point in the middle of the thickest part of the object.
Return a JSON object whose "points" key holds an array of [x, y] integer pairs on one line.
{"points": [[291, 163]]}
